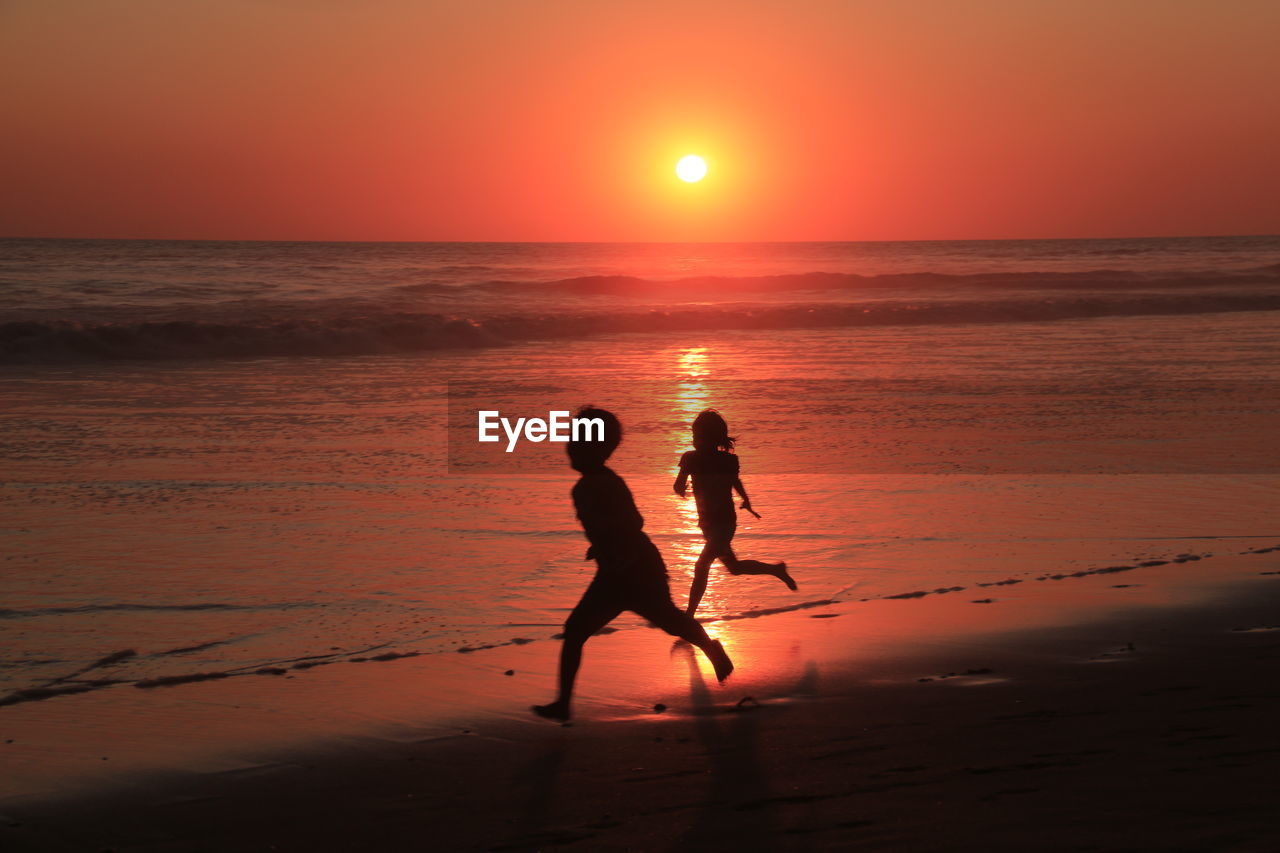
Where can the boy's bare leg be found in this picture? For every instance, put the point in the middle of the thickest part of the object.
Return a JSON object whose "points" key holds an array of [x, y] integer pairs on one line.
{"points": [[592, 613], [676, 622], [570, 660]]}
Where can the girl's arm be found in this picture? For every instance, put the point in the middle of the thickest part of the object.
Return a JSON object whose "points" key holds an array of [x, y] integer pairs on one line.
{"points": [[681, 484], [746, 501]]}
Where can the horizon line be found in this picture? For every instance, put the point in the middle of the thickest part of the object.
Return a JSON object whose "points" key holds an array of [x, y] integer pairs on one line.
{"points": [[640, 242]]}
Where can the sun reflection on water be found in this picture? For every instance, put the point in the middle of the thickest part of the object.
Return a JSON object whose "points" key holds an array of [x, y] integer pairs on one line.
{"points": [[693, 361], [693, 395]]}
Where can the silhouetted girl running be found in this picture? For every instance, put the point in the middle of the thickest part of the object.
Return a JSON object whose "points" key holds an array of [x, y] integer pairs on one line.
{"points": [[714, 468]]}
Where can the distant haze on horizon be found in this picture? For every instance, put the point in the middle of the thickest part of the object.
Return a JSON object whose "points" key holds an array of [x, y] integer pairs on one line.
{"points": [[562, 121]]}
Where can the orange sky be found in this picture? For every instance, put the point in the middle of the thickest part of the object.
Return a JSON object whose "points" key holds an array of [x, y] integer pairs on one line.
{"points": [[553, 120]]}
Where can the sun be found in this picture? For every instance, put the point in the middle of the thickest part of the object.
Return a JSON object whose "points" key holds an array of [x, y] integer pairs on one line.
{"points": [[691, 169]]}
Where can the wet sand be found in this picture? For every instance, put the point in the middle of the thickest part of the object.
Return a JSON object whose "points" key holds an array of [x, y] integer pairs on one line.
{"points": [[891, 724]]}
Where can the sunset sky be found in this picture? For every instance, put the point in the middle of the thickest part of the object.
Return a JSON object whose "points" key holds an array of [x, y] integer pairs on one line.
{"points": [[556, 120]]}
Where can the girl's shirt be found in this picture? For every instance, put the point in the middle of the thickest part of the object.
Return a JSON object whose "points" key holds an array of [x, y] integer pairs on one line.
{"points": [[714, 473]]}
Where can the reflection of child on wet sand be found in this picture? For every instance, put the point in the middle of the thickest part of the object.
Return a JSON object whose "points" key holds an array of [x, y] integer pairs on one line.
{"points": [[630, 573], [714, 468]]}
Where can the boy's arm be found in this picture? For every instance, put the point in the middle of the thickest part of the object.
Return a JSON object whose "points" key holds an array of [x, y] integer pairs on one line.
{"points": [[609, 518]]}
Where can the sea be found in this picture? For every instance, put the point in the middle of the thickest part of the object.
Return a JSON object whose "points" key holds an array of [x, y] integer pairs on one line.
{"points": [[236, 458]]}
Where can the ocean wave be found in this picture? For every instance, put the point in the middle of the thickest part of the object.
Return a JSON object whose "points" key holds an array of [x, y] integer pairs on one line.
{"points": [[1109, 280], [61, 341], [380, 332], [36, 612]]}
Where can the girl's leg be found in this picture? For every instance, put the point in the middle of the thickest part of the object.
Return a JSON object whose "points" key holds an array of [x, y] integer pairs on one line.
{"points": [[701, 570], [755, 567]]}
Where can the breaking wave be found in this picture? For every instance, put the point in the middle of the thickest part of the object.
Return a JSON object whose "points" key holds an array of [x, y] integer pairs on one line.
{"points": [[366, 328], [710, 285]]}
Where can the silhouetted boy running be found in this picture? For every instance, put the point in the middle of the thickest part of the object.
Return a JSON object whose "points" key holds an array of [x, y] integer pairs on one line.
{"points": [[630, 573]]}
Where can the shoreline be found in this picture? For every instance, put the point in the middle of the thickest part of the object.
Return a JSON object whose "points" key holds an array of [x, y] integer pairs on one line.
{"points": [[1155, 715]]}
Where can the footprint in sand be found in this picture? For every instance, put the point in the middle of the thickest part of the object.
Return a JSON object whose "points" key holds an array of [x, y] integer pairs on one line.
{"points": [[1116, 654]]}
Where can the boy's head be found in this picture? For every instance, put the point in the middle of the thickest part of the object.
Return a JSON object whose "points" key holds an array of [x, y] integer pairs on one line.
{"points": [[585, 451]]}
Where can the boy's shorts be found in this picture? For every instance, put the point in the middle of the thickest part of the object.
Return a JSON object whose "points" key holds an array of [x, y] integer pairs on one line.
{"points": [[640, 587]]}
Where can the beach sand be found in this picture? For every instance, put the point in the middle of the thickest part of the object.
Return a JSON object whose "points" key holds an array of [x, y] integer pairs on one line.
{"points": [[1144, 720]]}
